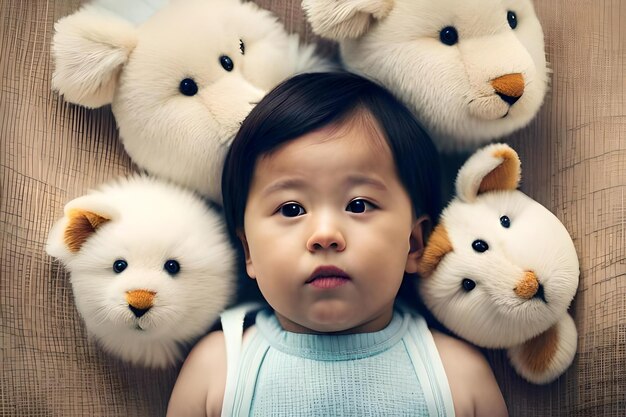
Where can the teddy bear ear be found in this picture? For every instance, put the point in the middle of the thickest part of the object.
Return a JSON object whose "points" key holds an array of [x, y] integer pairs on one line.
{"points": [[547, 356], [83, 217], [345, 19], [438, 246], [494, 167], [89, 49]]}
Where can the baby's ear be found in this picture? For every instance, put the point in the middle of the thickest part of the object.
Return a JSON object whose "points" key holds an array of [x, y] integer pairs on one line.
{"points": [[246, 252], [421, 229], [494, 167], [344, 19], [89, 49], [83, 217]]}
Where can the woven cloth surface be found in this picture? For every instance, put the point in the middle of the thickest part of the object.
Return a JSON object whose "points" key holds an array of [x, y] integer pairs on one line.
{"points": [[574, 156]]}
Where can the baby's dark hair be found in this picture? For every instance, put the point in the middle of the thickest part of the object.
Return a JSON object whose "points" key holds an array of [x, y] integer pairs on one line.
{"points": [[308, 102]]}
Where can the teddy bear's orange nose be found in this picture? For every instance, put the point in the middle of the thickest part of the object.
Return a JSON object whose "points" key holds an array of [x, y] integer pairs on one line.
{"points": [[527, 287], [509, 87], [140, 301]]}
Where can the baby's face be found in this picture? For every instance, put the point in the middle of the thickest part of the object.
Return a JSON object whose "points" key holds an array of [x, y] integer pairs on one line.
{"points": [[328, 227]]}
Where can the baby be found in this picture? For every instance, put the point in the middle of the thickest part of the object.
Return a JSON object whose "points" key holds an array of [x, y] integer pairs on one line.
{"points": [[331, 186]]}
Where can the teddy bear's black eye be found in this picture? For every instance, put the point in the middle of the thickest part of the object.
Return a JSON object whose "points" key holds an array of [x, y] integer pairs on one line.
{"points": [[449, 35], [171, 266], [505, 222], [119, 266], [480, 245], [242, 47], [188, 87], [468, 285], [227, 63], [512, 18]]}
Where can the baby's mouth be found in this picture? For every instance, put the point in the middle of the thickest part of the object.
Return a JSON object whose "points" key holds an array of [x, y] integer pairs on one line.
{"points": [[328, 277]]}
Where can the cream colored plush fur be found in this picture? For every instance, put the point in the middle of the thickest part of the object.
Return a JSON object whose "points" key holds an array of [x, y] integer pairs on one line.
{"points": [[101, 58], [451, 88], [145, 222], [521, 285]]}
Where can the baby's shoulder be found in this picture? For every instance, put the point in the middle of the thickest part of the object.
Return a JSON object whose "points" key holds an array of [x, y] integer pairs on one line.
{"points": [[199, 389], [474, 389], [454, 350]]}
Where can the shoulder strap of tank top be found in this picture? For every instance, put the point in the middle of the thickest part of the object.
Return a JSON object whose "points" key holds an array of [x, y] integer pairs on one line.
{"points": [[232, 326], [429, 368]]}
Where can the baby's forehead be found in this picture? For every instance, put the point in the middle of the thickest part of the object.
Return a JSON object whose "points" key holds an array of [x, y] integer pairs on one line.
{"points": [[360, 128], [332, 145], [328, 159]]}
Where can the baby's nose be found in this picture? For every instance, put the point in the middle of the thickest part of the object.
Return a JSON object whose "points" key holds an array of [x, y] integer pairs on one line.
{"points": [[326, 235]]}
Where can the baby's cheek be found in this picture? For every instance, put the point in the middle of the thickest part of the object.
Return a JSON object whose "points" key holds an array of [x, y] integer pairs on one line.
{"points": [[396, 241]]}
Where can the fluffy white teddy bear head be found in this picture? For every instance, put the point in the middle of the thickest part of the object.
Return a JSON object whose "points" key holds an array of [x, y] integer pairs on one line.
{"points": [[150, 264], [500, 270], [181, 82], [471, 70]]}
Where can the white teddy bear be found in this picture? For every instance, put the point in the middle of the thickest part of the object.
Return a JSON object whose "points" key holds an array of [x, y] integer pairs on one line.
{"points": [[500, 270], [181, 82], [151, 267], [471, 70]]}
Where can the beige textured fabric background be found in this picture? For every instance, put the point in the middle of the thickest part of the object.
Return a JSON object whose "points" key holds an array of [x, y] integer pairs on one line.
{"points": [[574, 160]]}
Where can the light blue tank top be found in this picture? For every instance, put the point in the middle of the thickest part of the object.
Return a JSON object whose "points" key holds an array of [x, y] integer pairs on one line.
{"points": [[396, 371]]}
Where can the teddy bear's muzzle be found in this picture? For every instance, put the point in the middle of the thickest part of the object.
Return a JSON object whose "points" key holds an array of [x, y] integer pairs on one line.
{"points": [[530, 287], [140, 301], [509, 87]]}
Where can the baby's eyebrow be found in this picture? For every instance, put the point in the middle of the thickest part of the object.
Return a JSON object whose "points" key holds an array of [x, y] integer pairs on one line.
{"points": [[285, 184], [355, 180], [300, 183]]}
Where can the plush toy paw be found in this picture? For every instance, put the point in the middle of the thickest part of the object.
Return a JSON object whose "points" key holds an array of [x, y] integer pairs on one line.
{"points": [[545, 357], [500, 269], [150, 264]]}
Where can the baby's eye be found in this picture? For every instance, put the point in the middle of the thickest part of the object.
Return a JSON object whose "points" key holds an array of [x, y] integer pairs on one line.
{"points": [[291, 210], [360, 205]]}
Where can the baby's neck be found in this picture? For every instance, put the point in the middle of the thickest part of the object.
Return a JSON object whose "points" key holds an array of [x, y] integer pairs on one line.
{"points": [[368, 325]]}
